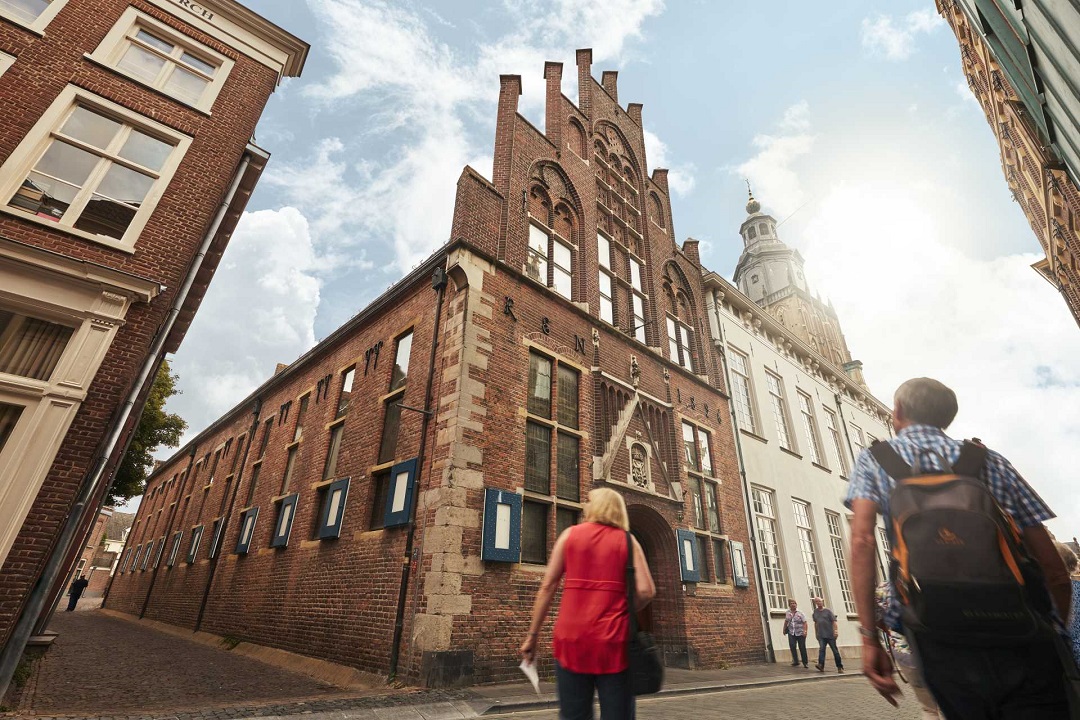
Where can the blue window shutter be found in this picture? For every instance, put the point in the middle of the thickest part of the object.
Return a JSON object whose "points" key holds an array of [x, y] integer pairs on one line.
{"points": [[279, 536], [399, 498], [689, 557], [330, 523], [738, 565], [502, 526]]}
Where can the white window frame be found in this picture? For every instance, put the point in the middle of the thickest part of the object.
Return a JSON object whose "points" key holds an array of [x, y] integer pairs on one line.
{"points": [[26, 156], [804, 526], [546, 260], [858, 439], [836, 540], [115, 43], [775, 385], [638, 297], [38, 26], [838, 442], [767, 531], [680, 342], [6, 61], [742, 389], [813, 445]]}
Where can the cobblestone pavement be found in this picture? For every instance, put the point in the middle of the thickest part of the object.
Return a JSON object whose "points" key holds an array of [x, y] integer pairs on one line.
{"points": [[851, 699], [101, 663]]}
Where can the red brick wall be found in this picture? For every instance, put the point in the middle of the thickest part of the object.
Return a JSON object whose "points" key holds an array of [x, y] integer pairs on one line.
{"points": [[45, 65]]}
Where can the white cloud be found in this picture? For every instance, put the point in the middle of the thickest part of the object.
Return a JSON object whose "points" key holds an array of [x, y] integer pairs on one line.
{"points": [[912, 304], [895, 38], [425, 101], [770, 171], [964, 91], [259, 311], [680, 177]]}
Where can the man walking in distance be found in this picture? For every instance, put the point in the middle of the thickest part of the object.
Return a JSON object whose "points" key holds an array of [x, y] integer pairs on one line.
{"points": [[984, 680], [795, 629], [76, 591], [825, 627]]}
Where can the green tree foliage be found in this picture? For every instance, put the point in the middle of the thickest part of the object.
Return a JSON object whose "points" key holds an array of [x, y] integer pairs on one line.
{"points": [[156, 428]]}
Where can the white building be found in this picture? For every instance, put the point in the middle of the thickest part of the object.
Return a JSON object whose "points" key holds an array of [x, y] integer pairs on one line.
{"points": [[802, 414]]}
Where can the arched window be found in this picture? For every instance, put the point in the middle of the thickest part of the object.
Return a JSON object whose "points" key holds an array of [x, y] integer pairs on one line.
{"points": [[763, 228], [549, 259], [576, 138], [656, 210], [751, 233]]}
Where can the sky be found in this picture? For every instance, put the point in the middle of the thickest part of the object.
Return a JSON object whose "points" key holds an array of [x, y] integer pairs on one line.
{"points": [[851, 120]]}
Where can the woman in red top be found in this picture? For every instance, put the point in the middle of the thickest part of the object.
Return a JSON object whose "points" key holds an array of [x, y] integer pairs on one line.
{"points": [[593, 627]]}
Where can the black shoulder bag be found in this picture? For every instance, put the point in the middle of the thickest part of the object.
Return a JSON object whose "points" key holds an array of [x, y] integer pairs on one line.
{"points": [[646, 667]]}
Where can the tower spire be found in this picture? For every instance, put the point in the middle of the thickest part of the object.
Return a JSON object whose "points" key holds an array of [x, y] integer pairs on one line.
{"points": [[752, 205]]}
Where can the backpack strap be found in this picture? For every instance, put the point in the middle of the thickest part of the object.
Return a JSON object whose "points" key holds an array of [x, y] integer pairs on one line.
{"points": [[890, 461], [972, 457]]}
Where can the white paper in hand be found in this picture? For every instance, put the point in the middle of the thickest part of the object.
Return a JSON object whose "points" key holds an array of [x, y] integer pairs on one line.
{"points": [[529, 668]]}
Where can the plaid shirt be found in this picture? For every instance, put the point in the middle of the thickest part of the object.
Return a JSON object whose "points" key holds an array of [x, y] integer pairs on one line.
{"points": [[924, 447]]}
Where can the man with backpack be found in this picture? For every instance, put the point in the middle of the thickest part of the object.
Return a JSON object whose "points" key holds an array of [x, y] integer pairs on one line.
{"points": [[976, 576]]}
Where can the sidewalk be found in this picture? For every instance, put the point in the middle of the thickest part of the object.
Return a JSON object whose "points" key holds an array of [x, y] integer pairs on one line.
{"points": [[114, 669]]}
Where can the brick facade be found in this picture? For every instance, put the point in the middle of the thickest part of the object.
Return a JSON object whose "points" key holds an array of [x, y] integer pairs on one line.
{"points": [[47, 65], [463, 616]]}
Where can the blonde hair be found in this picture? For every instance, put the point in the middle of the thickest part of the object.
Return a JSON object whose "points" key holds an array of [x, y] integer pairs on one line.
{"points": [[607, 507], [1068, 557]]}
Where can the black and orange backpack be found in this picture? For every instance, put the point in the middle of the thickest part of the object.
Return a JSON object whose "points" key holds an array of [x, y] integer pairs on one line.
{"points": [[959, 567]]}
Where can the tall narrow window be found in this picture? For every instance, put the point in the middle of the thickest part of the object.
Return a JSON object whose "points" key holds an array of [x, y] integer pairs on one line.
{"points": [[290, 466], [256, 467], [346, 391], [568, 396], [806, 546], [837, 443], [536, 265], [539, 401], [607, 281], [401, 361], [772, 570], [534, 531], [550, 260], [537, 458], [776, 397], [680, 342], [392, 407], [333, 451], [299, 431], [693, 485], [857, 440], [813, 442], [740, 390], [690, 446], [637, 298], [562, 269], [836, 540], [706, 451], [30, 347], [391, 428]]}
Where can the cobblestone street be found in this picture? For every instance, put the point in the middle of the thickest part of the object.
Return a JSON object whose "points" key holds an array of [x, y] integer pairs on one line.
{"points": [[851, 699]]}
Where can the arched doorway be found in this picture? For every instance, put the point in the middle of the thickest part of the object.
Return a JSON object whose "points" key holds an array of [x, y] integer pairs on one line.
{"points": [[664, 616]]}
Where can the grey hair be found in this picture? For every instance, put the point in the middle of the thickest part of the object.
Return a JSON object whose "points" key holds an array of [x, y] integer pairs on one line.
{"points": [[927, 402]]}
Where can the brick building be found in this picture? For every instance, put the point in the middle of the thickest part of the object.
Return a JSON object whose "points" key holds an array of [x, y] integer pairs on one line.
{"points": [[125, 162], [1021, 62], [556, 343]]}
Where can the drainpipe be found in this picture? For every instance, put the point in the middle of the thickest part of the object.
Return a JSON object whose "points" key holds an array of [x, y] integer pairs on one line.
{"points": [[438, 281], [39, 594], [192, 454], [228, 513], [721, 345]]}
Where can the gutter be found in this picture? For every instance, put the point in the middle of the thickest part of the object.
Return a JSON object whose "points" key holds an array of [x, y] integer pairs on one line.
{"points": [[95, 480]]}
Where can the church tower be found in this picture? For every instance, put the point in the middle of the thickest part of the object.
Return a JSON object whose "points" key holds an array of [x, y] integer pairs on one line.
{"points": [[771, 274]]}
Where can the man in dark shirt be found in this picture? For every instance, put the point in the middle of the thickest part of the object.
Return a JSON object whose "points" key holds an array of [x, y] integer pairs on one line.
{"points": [[825, 628], [75, 592]]}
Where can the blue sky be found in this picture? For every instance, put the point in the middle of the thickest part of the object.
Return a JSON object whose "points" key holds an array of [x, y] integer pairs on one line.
{"points": [[852, 121]]}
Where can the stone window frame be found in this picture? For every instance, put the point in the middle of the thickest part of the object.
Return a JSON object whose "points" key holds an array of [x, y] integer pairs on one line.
{"points": [[775, 583], [810, 426], [94, 301], [802, 511], [394, 397], [40, 137], [712, 545], [745, 375], [553, 503], [111, 48], [781, 411], [6, 61], [38, 25]]}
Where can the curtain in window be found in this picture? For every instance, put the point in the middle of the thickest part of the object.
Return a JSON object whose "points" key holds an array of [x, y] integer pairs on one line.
{"points": [[30, 347]]}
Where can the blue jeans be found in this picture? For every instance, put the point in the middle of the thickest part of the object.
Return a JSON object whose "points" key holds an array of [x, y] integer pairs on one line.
{"points": [[576, 695], [829, 642]]}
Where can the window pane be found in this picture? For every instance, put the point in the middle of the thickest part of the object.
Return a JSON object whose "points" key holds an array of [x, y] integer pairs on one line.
{"points": [[607, 310], [30, 347], [563, 283], [635, 274], [154, 41], [690, 446], [186, 85], [538, 240], [105, 217], [563, 256], [605, 284], [25, 10], [126, 185], [693, 485], [391, 425], [700, 542], [90, 127], [379, 489], [568, 483], [776, 396], [145, 150], [537, 458], [719, 565], [9, 415], [346, 391], [772, 571], [706, 453], [330, 467], [673, 341], [806, 546], [536, 262], [685, 343], [568, 397], [299, 432], [564, 518], [400, 372], [539, 385], [836, 540], [713, 507], [603, 251], [290, 464], [197, 63], [534, 519], [67, 162], [141, 63]]}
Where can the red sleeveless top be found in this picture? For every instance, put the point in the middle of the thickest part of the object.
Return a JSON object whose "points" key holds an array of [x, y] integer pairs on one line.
{"points": [[591, 631]]}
